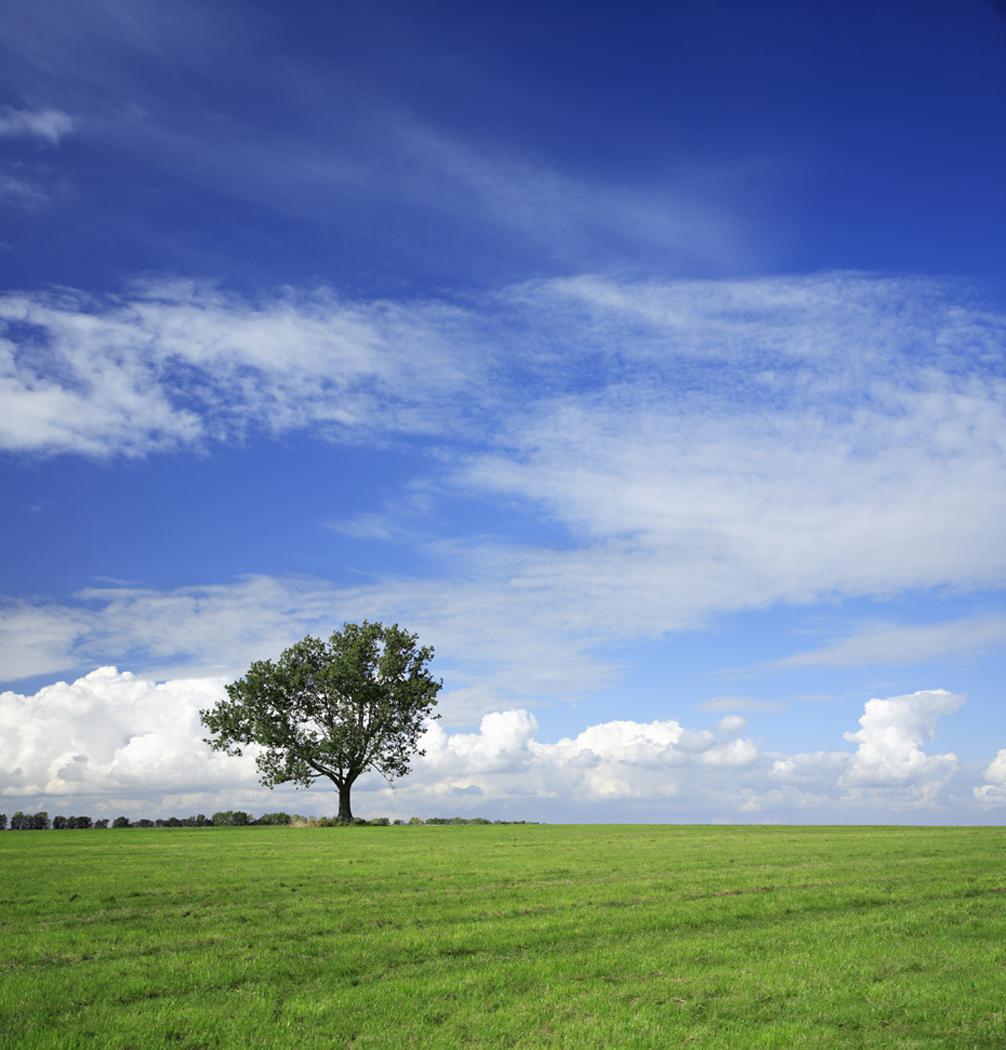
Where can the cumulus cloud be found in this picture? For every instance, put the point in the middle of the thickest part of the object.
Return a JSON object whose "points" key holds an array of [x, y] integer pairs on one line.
{"points": [[889, 763], [49, 125], [993, 792], [891, 735], [110, 740], [112, 734]]}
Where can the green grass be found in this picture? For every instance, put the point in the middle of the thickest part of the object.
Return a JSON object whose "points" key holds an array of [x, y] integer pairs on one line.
{"points": [[504, 936]]}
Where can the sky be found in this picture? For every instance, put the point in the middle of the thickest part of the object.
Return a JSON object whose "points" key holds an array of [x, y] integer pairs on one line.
{"points": [[647, 360]]}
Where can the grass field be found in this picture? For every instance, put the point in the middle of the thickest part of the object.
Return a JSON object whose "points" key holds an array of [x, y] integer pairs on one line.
{"points": [[504, 936]]}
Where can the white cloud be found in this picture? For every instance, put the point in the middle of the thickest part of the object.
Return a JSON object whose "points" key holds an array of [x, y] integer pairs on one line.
{"points": [[891, 735], [889, 764], [996, 769], [37, 640], [110, 733], [704, 448], [179, 364], [993, 792], [493, 646], [216, 629], [50, 125], [110, 740], [500, 745], [690, 513]]}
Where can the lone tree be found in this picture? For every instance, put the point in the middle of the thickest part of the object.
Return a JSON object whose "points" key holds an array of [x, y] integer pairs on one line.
{"points": [[331, 709]]}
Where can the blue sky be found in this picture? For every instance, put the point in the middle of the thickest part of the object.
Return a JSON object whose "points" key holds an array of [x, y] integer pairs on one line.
{"points": [[647, 360]]}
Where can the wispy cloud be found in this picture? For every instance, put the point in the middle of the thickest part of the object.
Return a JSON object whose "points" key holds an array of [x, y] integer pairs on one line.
{"points": [[903, 644], [739, 703], [22, 193], [181, 364], [372, 160], [47, 125], [700, 449], [368, 526]]}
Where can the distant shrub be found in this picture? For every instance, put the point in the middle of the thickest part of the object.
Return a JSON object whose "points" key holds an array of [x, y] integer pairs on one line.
{"points": [[415, 822], [144, 823], [398, 822], [274, 819], [463, 821], [378, 822], [3, 821], [100, 825], [120, 822], [30, 821], [232, 818], [58, 823]]}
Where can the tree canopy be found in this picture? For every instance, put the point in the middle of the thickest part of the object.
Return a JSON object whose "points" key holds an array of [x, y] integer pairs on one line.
{"points": [[335, 709]]}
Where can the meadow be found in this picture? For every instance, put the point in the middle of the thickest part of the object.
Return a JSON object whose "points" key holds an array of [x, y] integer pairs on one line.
{"points": [[515, 936]]}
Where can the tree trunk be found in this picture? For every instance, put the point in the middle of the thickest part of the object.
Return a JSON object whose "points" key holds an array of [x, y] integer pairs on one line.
{"points": [[345, 813]]}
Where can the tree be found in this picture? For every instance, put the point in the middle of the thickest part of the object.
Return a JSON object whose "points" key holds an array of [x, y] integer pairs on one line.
{"points": [[334, 709], [231, 818]]}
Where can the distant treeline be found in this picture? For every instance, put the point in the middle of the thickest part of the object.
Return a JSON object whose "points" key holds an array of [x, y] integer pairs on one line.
{"points": [[226, 818]]}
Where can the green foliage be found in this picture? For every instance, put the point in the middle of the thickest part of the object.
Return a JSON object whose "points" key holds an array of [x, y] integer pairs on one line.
{"points": [[442, 821], [3, 821], [120, 822], [231, 818], [335, 709], [72, 823], [610, 936], [274, 818], [30, 821]]}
